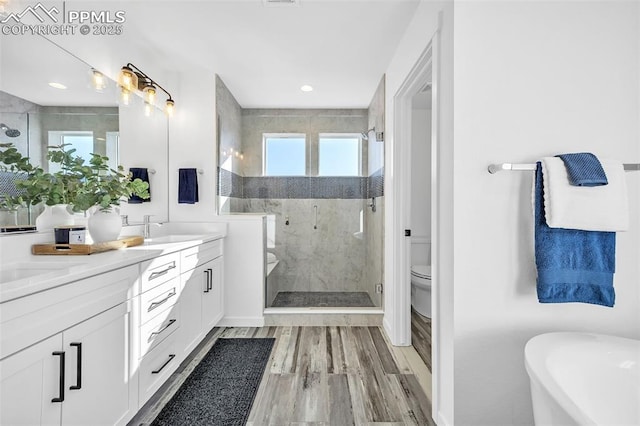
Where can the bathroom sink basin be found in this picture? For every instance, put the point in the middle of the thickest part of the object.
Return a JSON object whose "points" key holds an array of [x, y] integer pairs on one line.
{"points": [[23, 270], [170, 239]]}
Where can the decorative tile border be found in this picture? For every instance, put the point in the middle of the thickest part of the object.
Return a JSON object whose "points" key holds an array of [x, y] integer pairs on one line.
{"points": [[375, 184], [230, 184], [300, 187], [8, 183]]}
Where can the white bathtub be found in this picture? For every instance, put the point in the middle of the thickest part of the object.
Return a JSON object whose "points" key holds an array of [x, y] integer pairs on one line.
{"points": [[584, 379]]}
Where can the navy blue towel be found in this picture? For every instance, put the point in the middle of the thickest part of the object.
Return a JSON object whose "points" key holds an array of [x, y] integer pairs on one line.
{"points": [[584, 169], [187, 186], [573, 265], [143, 175]]}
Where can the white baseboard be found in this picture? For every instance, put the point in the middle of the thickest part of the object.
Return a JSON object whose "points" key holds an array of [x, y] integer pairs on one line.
{"points": [[241, 322], [442, 421]]}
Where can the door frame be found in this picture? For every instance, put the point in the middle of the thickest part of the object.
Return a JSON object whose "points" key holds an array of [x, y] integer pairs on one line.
{"points": [[425, 70]]}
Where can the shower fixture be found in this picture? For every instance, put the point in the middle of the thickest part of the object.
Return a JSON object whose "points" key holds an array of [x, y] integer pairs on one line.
{"points": [[12, 133], [378, 136]]}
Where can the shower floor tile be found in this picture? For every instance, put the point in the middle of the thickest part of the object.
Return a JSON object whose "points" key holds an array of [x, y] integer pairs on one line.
{"points": [[334, 299]]}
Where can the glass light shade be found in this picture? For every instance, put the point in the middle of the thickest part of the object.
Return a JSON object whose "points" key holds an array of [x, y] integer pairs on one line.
{"points": [[150, 94], [125, 96], [128, 79], [169, 107], [98, 80]]}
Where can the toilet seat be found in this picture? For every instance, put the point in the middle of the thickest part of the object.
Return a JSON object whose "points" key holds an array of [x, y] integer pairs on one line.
{"points": [[421, 271]]}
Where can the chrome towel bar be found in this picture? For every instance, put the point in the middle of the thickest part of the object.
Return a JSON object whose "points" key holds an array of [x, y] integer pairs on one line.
{"points": [[495, 168]]}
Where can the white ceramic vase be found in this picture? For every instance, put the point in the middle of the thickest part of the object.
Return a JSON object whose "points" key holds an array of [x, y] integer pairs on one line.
{"points": [[53, 216], [104, 225]]}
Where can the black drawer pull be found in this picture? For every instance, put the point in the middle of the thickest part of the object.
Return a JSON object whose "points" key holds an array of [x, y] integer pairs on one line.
{"points": [[171, 357], [60, 397], [154, 305], [78, 384], [207, 273], [169, 324], [157, 274], [210, 285]]}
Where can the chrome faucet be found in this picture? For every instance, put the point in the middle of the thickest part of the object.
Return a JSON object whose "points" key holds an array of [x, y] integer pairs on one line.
{"points": [[147, 225]]}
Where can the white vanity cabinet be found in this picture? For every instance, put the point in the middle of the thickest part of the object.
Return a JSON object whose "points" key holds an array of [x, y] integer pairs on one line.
{"points": [[202, 297], [94, 350], [29, 380], [80, 375]]}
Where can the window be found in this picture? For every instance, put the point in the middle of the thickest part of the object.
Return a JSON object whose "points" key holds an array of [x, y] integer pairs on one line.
{"points": [[284, 155], [339, 155], [82, 142]]}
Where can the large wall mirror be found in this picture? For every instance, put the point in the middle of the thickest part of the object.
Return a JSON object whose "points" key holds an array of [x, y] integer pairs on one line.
{"points": [[47, 98]]}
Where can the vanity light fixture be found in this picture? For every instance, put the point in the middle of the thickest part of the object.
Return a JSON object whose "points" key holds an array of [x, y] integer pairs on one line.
{"points": [[133, 78], [57, 85], [98, 80]]}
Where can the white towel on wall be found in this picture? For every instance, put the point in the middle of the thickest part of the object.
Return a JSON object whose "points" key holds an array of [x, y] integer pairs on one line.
{"points": [[596, 208]]}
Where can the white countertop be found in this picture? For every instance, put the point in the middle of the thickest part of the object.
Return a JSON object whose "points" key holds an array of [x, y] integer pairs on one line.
{"points": [[39, 273]]}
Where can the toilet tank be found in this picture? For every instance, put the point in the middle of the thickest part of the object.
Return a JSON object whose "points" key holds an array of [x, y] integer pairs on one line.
{"points": [[420, 250]]}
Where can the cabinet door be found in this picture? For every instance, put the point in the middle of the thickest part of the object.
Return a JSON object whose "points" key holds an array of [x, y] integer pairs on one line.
{"points": [[29, 380], [212, 300], [194, 285], [97, 373]]}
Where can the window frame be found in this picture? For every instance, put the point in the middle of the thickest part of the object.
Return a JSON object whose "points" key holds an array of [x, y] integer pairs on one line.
{"points": [[302, 136], [343, 135]]}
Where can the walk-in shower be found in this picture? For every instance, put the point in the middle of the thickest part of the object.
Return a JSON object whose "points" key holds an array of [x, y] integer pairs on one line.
{"points": [[313, 173]]}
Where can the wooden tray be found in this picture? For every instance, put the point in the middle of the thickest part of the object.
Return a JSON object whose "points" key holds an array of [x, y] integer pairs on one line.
{"points": [[80, 249]]}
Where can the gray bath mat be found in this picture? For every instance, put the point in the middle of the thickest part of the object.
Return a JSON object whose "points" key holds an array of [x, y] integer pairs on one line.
{"points": [[221, 389]]}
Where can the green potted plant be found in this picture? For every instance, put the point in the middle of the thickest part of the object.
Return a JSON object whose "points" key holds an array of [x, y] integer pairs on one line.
{"points": [[77, 186], [105, 188]]}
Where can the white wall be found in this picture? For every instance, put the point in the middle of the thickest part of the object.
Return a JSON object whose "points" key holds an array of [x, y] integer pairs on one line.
{"points": [[532, 79], [143, 143], [192, 144], [418, 35]]}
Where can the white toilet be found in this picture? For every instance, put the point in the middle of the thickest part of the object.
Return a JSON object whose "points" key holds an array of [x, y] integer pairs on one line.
{"points": [[421, 289]]}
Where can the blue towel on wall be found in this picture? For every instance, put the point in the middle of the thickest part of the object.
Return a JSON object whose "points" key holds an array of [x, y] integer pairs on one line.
{"points": [[187, 186], [573, 265], [584, 169], [143, 175]]}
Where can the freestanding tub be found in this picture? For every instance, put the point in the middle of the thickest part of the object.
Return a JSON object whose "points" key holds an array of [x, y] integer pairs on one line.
{"points": [[584, 379]]}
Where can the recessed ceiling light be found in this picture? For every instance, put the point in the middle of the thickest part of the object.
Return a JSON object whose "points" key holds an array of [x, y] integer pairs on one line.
{"points": [[306, 88], [57, 85]]}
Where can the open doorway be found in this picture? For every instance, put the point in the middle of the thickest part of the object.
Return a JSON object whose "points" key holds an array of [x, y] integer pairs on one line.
{"points": [[420, 223]]}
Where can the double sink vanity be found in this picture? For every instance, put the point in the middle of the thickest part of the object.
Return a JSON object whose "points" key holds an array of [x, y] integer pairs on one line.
{"points": [[89, 339]]}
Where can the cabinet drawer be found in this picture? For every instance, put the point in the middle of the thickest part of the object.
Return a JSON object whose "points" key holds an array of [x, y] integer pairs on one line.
{"points": [[159, 270], [159, 328], [157, 366], [195, 256], [158, 299]]}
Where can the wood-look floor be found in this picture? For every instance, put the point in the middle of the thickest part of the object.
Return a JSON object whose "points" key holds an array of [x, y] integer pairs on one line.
{"points": [[421, 336], [324, 376]]}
